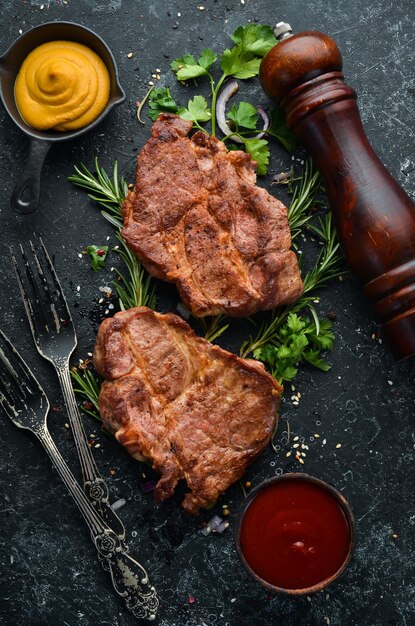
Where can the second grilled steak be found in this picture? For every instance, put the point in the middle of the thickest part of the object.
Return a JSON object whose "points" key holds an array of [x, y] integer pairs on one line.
{"points": [[198, 412], [197, 218]]}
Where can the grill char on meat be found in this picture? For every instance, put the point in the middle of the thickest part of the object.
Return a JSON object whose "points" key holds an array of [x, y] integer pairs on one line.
{"points": [[197, 218], [198, 412]]}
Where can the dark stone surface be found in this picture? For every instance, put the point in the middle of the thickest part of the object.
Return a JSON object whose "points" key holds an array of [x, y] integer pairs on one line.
{"points": [[49, 572]]}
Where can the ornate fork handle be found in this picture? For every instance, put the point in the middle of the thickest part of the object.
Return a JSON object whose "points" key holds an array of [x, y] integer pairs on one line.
{"points": [[129, 578], [95, 487]]}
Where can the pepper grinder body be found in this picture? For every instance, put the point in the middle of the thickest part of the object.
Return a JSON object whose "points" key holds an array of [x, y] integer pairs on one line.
{"points": [[374, 218]]}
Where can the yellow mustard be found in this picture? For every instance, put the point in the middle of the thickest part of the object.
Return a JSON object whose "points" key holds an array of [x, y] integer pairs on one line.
{"points": [[61, 85]]}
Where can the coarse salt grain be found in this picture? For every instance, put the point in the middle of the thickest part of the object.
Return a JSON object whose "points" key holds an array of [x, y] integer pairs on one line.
{"points": [[78, 288]]}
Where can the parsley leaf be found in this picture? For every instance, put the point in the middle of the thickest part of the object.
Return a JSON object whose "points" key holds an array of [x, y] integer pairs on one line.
{"points": [[280, 131], [197, 110], [259, 151], [160, 101], [207, 58], [98, 256], [235, 62], [297, 341], [254, 38], [244, 115], [187, 67]]}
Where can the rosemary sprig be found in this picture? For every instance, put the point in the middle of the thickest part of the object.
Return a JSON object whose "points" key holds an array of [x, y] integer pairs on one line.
{"points": [[213, 327], [87, 387], [109, 193], [134, 288], [330, 262], [303, 197]]}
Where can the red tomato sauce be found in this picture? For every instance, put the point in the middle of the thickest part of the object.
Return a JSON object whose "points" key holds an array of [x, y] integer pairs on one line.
{"points": [[294, 534]]}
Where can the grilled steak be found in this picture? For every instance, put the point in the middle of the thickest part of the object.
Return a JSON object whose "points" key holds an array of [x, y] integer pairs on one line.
{"points": [[198, 412], [197, 218]]}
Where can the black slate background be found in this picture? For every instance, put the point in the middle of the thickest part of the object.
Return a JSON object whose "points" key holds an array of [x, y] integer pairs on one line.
{"points": [[49, 572]]}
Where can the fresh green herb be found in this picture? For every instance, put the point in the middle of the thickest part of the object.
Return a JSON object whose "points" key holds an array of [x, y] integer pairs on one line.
{"points": [[135, 288], [197, 111], [161, 101], [296, 341], [280, 131], [213, 327], [141, 104], [242, 61], [109, 193], [87, 387], [303, 199], [259, 151], [330, 263], [98, 256], [243, 116]]}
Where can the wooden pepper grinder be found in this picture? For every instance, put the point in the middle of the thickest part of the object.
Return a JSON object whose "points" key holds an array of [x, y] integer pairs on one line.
{"points": [[374, 218]]}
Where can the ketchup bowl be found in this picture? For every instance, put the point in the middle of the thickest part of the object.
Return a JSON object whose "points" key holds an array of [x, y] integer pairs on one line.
{"points": [[295, 534]]}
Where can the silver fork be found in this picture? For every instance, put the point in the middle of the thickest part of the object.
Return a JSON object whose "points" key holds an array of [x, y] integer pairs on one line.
{"points": [[55, 339], [24, 401]]}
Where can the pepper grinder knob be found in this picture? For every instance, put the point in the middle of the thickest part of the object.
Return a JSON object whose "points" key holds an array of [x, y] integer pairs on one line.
{"points": [[374, 218]]}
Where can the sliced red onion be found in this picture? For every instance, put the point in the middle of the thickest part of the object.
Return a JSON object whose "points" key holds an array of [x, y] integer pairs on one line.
{"points": [[212, 525], [266, 121], [282, 177], [227, 92], [222, 527], [149, 486]]}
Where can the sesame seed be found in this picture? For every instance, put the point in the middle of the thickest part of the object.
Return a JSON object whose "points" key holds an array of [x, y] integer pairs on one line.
{"points": [[233, 600], [300, 460], [296, 438], [295, 403], [242, 1], [66, 425], [299, 394], [80, 255], [324, 442], [101, 300], [129, 55], [292, 388], [20, 31], [394, 536], [158, 70], [303, 454], [78, 288], [390, 382], [288, 453], [296, 445], [42, 6], [98, 445], [338, 445], [154, 76], [201, 8], [308, 598], [327, 620], [316, 435], [179, 14], [89, 353], [150, 82]]}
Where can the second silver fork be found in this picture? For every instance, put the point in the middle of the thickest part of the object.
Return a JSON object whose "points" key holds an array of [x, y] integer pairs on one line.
{"points": [[54, 335]]}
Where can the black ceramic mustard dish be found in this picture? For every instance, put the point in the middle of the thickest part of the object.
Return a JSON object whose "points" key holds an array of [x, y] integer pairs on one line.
{"points": [[25, 197]]}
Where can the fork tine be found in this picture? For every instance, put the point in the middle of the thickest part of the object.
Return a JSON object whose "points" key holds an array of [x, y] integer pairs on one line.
{"points": [[58, 287], [13, 363], [36, 315]]}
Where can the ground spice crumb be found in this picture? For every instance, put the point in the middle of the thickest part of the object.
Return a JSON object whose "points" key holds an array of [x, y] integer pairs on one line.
{"points": [[339, 445], [130, 186], [112, 471], [191, 600], [248, 484]]}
